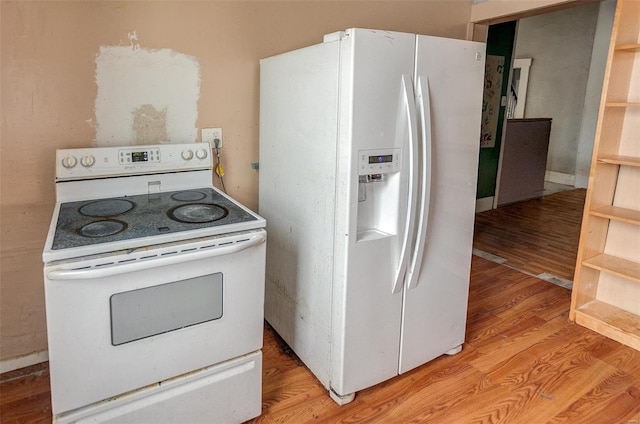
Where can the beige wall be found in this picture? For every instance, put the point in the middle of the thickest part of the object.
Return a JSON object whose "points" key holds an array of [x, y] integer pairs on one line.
{"points": [[48, 94], [496, 11]]}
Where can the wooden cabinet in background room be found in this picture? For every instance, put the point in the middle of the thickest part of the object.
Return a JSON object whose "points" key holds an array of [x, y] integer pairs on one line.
{"points": [[524, 159], [606, 287]]}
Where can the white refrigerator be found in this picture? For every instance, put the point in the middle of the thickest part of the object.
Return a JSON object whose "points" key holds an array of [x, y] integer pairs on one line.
{"points": [[368, 168]]}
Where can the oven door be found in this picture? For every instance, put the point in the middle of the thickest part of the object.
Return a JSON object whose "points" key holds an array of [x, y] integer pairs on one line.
{"points": [[122, 322]]}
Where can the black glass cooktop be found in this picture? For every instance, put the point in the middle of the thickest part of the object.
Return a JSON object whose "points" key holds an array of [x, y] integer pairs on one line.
{"points": [[124, 218]]}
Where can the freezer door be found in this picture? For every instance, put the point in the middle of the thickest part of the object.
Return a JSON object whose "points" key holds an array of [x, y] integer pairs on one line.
{"points": [[377, 112], [449, 82]]}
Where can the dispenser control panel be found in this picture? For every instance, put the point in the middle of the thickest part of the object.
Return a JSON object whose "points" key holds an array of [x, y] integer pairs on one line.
{"points": [[379, 161]]}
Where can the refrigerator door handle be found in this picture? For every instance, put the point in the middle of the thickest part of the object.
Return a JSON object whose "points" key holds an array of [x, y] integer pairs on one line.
{"points": [[410, 106], [424, 108]]}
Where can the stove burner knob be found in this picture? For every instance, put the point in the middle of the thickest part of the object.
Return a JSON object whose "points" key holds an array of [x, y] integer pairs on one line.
{"points": [[87, 161], [187, 155], [69, 162], [201, 154]]}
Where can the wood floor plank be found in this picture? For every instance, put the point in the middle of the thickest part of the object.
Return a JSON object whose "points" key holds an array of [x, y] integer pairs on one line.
{"points": [[25, 397], [536, 236], [553, 387], [511, 344], [601, 407], [441, 398], [547, 303]]}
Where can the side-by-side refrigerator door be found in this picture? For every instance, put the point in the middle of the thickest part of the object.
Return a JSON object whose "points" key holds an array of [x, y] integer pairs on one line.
{"points": [[449, 85], [377, 120]]}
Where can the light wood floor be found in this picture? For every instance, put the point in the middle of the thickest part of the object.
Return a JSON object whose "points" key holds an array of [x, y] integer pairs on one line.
{"points": [[523, 362], [535, 236]]}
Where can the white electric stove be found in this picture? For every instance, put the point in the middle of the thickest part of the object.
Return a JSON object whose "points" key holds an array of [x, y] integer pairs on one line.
{"points": [[154, 285]]}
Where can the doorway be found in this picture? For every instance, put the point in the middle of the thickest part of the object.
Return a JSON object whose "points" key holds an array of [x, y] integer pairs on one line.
{"points": [[573, 113]]}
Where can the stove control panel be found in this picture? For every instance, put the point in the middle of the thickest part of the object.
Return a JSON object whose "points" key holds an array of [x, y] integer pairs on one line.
{"points": [[99, 162], [139, 154]]}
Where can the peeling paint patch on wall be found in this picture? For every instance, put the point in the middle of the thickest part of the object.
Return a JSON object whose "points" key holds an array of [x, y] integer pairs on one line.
{"points": [[145, 96], [149, 124]]}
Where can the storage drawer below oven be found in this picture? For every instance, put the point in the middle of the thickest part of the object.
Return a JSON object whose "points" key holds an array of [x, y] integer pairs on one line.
{"points": [[230, 392]]}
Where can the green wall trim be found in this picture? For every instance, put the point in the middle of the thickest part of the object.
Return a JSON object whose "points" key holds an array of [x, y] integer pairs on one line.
{"points": [[499, 43]]}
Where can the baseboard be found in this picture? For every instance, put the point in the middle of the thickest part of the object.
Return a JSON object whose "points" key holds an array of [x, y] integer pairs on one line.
{"points": [[582, 181], [23, 361], [484, 204], [560, 178]]}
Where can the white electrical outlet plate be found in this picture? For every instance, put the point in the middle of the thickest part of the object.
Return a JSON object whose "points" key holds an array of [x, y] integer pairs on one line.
{"points": [[209, 135]]}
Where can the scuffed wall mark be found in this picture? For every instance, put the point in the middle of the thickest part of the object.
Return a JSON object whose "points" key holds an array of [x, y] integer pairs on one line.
{"points": [[160, 88], [149, 125], [133, 40]]}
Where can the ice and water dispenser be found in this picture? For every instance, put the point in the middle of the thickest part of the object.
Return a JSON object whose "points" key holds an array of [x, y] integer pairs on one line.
{"points": [[378, 193]]}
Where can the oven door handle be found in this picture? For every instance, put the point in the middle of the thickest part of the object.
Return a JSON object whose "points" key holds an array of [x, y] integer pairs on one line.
{"points": [[141, 265]]}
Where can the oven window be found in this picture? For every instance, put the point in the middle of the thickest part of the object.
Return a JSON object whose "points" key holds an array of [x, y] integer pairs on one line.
{"points": [[159, 309]]}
